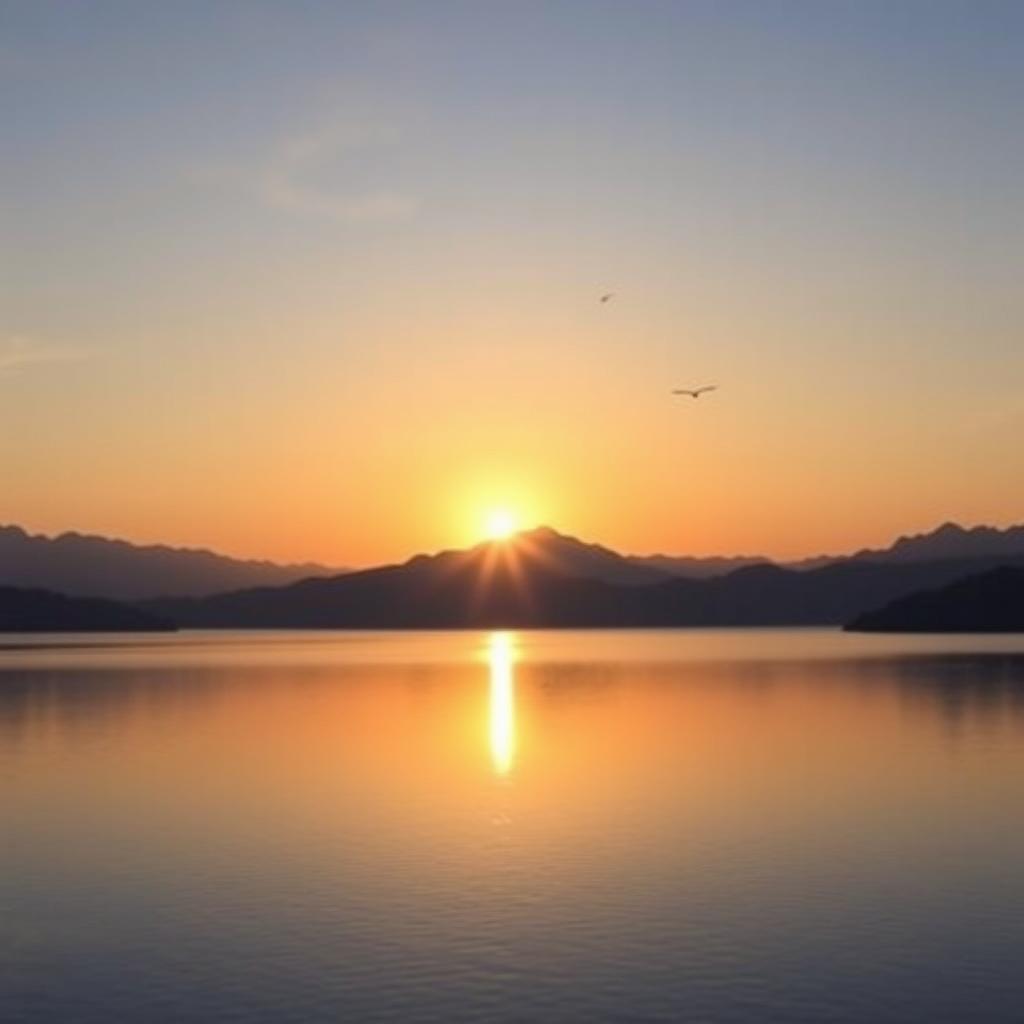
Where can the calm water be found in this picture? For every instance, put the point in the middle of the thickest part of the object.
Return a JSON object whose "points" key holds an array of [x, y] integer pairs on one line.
{"points": [[636, 826]]}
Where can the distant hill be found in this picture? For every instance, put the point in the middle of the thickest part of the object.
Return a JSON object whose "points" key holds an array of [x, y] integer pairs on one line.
{"points": [[698, 567], [83, 565], [537, 580], [30, 611], [948, 541], [951, 541], [988, 602], [945, 543]]}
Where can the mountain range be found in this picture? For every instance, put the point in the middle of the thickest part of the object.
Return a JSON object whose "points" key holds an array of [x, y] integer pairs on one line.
{"points": [[950, 540], [83, 565], [543, 578], [537, 578]]}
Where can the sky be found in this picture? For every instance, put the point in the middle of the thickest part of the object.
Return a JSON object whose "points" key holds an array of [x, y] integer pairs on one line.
{"points": [[321, 280]]}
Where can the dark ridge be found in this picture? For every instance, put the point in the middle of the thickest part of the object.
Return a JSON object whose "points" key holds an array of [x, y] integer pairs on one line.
{"points": [[988, 602], [25, 610]]}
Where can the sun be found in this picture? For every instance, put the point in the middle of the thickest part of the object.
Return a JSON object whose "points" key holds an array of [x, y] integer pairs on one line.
{"points": [[500, 524]]}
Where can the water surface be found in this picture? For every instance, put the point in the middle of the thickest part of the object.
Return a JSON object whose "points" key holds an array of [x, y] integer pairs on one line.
{"points": [[731, 825]]}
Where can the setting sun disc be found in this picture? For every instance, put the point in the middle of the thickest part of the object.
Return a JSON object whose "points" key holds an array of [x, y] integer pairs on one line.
{"points": [[500, 524]]}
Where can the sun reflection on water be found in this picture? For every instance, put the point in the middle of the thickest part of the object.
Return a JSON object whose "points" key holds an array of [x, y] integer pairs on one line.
{"points": [[502, 716]]}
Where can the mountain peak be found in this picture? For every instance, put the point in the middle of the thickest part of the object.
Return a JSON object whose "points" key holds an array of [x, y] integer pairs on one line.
{"points": [[951, 541], [541, 531], [543, 549]]}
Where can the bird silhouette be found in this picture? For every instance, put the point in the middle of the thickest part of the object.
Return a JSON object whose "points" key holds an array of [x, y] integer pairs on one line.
{"points": [[606, 296], [695, 392]]}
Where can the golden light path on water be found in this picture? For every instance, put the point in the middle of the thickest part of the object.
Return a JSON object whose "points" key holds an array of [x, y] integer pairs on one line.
{"points": [[502, 705]]}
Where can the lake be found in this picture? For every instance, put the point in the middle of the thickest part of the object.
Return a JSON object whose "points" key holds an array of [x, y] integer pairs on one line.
{"points": [[730, 825]]}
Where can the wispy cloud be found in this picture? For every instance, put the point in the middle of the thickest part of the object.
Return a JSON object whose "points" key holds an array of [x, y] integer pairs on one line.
{"points": [[18, 353], [313, 174]]}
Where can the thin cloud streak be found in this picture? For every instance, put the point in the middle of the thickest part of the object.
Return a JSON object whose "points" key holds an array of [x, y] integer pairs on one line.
{"points": [[18, 353], [291, 177]]}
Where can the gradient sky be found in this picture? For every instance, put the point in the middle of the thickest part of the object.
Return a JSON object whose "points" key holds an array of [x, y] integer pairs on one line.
{"points": [[320, 280]]}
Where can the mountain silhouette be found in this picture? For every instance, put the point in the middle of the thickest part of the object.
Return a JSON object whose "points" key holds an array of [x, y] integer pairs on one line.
{"points": [[948, 541], [538, 579], [698, 567], [82, 565], [988, 602], [569, 556], [951, 540], [29, 610]]}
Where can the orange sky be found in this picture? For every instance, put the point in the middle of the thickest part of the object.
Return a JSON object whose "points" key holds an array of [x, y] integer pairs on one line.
{"points": [[333, 293]]}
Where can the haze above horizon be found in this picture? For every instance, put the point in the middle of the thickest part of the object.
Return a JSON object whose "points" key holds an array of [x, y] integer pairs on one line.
{"points": [[312, 283]]}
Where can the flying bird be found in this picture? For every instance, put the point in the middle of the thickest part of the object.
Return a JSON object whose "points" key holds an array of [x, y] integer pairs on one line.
{"points": [[695, 392], [607, 296]]}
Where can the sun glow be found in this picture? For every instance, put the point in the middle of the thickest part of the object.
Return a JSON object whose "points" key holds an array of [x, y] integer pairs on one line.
{"points": [[500, 524]]}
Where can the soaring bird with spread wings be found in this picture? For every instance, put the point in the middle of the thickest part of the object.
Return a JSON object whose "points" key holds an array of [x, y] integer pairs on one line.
{"points": [[695, 392]]}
